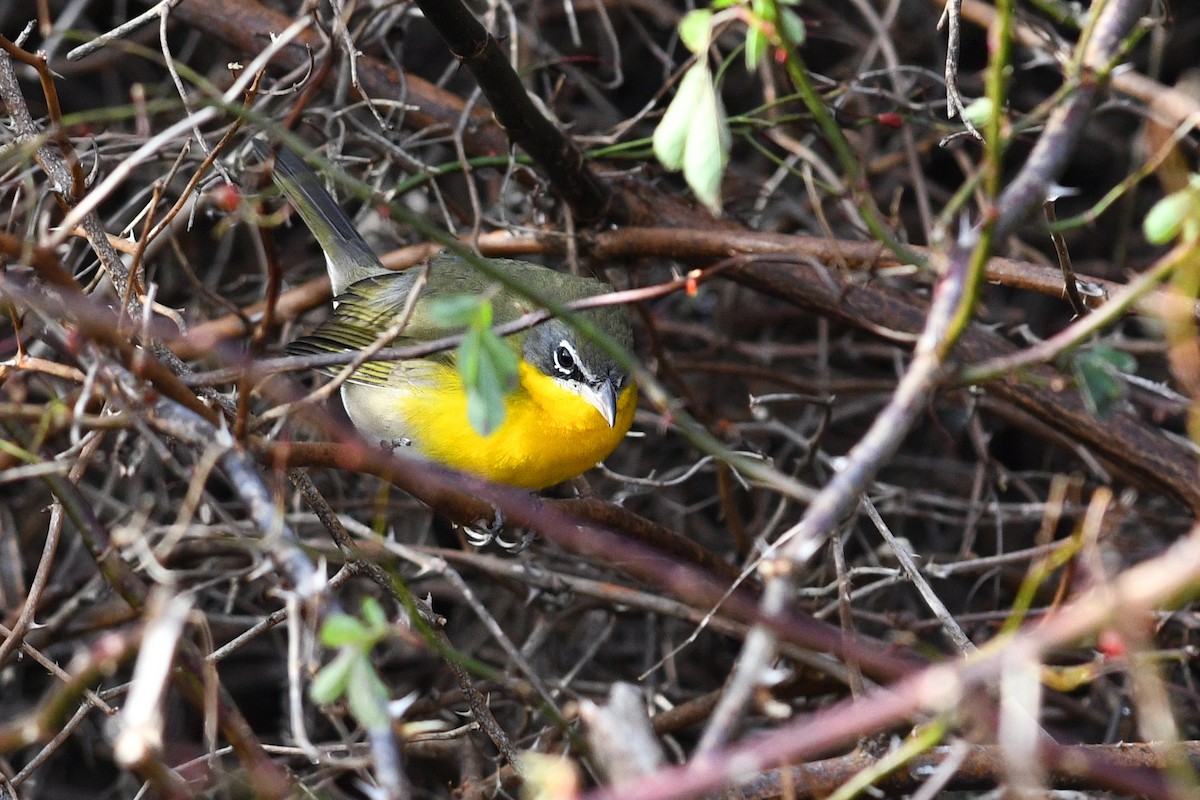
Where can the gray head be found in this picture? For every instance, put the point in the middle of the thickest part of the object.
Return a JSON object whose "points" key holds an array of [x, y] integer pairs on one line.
{"points": [[577, 363]]}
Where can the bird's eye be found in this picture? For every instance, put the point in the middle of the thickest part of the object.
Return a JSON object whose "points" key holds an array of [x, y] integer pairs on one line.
{"points": [[564, 358]]}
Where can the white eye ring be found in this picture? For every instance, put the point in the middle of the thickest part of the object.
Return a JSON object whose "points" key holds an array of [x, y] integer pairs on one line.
{"points": [[566, 360]]}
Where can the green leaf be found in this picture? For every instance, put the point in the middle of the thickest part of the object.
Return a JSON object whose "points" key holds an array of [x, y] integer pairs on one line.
{"points": [[468, 358], [979, 112], [493, 380], [330, 683], [455, 310], [706, 152], [1098, 376], [483, 315], [373, 614], [486, 363], [791, 26], [1167, 218], [340, 630], [367, 696], [756, 47], [694, 135], [695, 30], [671, 135], [1120, 360]]}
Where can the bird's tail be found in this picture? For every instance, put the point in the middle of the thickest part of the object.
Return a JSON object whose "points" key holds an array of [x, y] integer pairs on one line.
{"points": [[347, 255]]}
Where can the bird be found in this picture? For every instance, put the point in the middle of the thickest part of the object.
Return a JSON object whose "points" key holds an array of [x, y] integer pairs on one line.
{"points": [[571, 404]]}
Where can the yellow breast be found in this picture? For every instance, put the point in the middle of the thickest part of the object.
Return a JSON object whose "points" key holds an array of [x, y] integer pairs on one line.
{"points": [[549, 434]]}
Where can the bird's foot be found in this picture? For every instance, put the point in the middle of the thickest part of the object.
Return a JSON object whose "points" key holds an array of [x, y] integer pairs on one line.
{"points": [[482, 533], [399, 443]]}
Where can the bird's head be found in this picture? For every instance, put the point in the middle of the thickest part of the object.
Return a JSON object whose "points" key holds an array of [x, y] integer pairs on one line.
{"points": [[578, 364]]}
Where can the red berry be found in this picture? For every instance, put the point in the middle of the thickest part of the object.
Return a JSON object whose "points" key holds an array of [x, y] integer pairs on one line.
{"points": [[226, 197], [1110, 643]]}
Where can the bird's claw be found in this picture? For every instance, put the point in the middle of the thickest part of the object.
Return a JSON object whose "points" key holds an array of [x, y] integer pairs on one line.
{"points": [[482, 533]]}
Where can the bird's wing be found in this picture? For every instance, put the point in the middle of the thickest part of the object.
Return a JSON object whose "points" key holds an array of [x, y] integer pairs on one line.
{"points": [[361, 315]]}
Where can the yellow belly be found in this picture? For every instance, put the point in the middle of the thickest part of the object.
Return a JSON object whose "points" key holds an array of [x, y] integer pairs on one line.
{"points": [[549, 434]]}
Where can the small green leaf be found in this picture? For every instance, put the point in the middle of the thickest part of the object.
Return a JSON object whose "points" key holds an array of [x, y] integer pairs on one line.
{"points": [[494, 378], [366, 696], [483, 315], [487, 365], [373, 614], [330, 683], [340, 630], [455, 310], [671, 135], [756, 47], [468, 357], [695, 30], [791, 27], [1120, 360], [1167, 218], [706, 153], [979, 112], [694, 135], [1098, 376]]}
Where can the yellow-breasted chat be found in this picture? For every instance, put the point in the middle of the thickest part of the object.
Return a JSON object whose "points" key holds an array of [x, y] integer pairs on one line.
{"points": [[571, 404]]}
